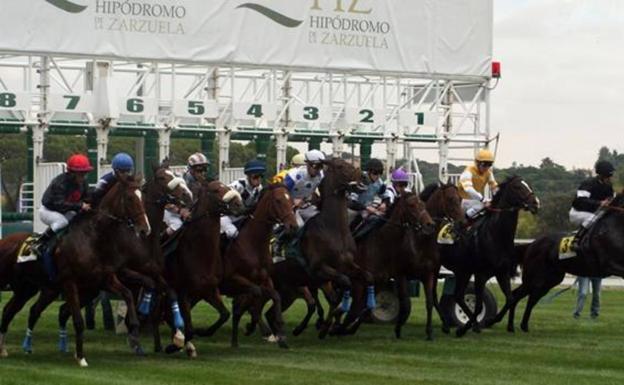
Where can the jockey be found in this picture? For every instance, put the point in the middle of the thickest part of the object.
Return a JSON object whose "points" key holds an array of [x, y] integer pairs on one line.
{"points": [[197, 168], [372, 201], [63, 199], [473, 180], [400, 181], [297, 160], [249, 188], [122, 165], [592, 194], [302, 183]]}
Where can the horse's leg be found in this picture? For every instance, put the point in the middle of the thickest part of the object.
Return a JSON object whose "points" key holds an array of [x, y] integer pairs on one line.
{"points": [[516, 296], [278, 323], [63, 316], [17, 301], [436, 303], [404, 305], [215, 300], [73, 302], [327, 273], [311, 306], [185, 308], [320, 311], [505, 285], [461, 282], [480, 281], [430, 293], [240, 304], [115, 286], [46, 297]]}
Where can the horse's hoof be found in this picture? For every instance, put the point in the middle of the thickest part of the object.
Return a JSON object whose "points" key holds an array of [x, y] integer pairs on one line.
{"points": [[249, 329], [511, 329], [4, 353], [170, 349], [476, 329], [429, 338], [234, 345], [319, 325], [82, 362], [525, 328], [460, 332], [297, 331], [446, 329], [138, 351], [323, 333], [178, 339], [63, 346], [191, 351], [27, 345], [158, 349], [397, 333], [271, 339]]}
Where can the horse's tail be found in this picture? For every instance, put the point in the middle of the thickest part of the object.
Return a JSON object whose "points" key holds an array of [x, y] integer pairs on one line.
{"points": [[519, 253], [9, 247]]}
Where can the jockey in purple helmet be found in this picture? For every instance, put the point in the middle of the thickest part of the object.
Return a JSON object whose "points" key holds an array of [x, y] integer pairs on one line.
{"points": [[400, 180]]}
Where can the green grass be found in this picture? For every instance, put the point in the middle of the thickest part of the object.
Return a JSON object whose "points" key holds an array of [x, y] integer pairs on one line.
{"points": [[558, 350]]}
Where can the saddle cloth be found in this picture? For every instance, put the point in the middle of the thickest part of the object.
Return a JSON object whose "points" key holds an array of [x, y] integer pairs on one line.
{"points": [[446, 235], [26, 253], [566, 248]]}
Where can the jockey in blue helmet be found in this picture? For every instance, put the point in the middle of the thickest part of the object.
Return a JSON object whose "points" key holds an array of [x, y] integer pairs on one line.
{"points": [[249, 188], [122, 165]]}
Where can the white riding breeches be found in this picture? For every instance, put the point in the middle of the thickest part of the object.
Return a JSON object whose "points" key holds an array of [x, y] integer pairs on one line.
{"points": [[471, 207], [581, 218], [172, 220], [54, 219], [305, 213], [228, 228]]}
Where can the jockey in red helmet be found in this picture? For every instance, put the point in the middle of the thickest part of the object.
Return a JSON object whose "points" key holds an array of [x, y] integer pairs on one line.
{"points": [[64, 198]]}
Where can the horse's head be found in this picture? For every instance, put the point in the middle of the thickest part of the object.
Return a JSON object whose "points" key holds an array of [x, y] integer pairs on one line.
{"points": [[411, 211], [216, 198], [340, 176], [125, 201], [515, 193], [443, 201], [173, 186], [280, 206]]}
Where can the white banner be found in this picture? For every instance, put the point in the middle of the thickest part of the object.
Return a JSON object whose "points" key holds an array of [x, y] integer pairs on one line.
{"points": [[417, 37]]}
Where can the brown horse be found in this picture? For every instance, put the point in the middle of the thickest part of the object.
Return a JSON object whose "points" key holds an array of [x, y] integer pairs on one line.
{"points": [[195, 269], [248, 261], [144, 263], [82, 263], [403, 248], [488, 248], [601, 254]]}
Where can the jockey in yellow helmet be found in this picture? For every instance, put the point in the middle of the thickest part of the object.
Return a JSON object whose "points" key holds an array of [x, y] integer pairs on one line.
{"points": [[473, 180]]}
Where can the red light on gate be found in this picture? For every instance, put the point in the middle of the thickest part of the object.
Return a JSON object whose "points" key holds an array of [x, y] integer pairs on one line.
{"points": [[496, 69]]}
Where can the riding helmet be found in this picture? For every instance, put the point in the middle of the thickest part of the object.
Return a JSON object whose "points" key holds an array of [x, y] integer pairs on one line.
{"points": [[79, 163], [298, 160], [484, 155], [314, 156], [122, 162], [255, 167], [198, 159], [604, 168], [399, 175]]}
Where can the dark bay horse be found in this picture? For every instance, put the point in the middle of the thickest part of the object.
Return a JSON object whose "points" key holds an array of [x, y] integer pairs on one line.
{"points": [[82, 262], [403, 248], [487, 249], [248, 261], [601, 254], [195, 269]]}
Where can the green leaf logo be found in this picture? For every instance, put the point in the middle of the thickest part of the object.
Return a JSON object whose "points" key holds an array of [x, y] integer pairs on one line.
{"points": [[273, 15], [67, 6]]}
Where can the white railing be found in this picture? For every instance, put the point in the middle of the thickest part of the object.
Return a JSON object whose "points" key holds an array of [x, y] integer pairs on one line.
{"points": [[26, 199], [453, 178], [230, 174]]}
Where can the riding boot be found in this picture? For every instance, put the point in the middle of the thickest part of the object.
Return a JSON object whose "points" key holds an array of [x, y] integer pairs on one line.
{"points": [[40, 245], [576, 242]]}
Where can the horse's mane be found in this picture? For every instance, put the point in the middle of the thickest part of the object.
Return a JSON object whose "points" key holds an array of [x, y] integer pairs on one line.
{"points": [[428, 191], [393, 206], [269, 187], [501, 187]]}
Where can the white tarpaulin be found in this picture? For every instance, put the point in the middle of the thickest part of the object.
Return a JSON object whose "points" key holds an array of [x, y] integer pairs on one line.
{"points": [[419, 37]]}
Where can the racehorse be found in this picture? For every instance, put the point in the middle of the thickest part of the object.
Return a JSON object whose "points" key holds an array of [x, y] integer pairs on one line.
{"points": [[82, 262], [195, 268], [600, 254], [443, 203], [143, 264], [403, 248], [248, 261], [487, 248]]}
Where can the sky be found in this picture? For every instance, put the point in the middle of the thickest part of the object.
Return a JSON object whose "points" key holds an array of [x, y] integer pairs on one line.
{"points": [[563, 73]]}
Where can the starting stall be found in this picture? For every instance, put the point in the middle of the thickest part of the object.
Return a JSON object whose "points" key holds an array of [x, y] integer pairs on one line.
{"points": [[397, 75]]}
